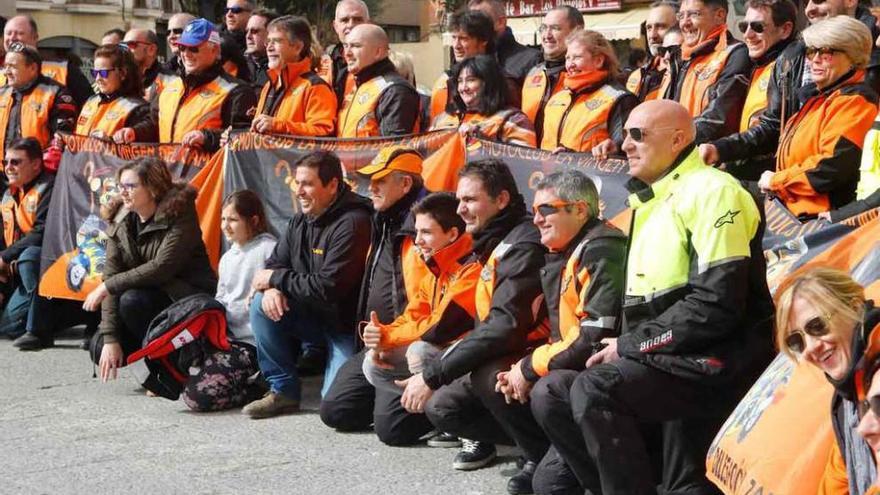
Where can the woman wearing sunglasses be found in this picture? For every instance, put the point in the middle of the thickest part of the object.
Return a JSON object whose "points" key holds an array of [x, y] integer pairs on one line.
{"points": [[817, 161], [480, 105], [588, 114], [823, 318], [118, 110]]}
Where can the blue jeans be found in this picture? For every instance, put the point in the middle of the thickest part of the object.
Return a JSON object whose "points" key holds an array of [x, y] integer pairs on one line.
{"points": [[18, 314], [277, 349]]}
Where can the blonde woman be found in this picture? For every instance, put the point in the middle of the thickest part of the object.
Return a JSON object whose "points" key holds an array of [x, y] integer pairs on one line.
{"points": [[823, 318]]}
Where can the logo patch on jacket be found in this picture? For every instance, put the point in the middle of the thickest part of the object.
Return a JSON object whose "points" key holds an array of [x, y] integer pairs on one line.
{"points": [[318, 251], [726, 218], [30, 204]]}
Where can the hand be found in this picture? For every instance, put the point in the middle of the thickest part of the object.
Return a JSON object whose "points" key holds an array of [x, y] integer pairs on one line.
{"points": [[124, 136], [764, 181], [224, 137], [98, 134], [415, 393], [467, 130], [372, 334], [111, 358], [603, 149], [263, 124], [520, 386], [93, 300], [196, 139], [274, 304], [261, 280], [825, 215], [709, 153], [607, 355], [502, 386], [560, 149]]}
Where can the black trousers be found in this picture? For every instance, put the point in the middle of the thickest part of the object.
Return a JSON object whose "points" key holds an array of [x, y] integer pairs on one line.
{"points": [[136, 309], [471, 408], [352, 404], [612, 403]]}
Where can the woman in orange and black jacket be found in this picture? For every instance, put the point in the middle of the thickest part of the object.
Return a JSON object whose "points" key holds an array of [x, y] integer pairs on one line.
{"points": [[295, 100], [817, 162]]}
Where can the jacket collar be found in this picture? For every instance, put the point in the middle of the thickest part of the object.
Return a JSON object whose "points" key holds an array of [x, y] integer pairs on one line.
{"points": [[29, 86], [773, 52], [379, 68], [717, 40], [399, 212], [289, 72], [854, 76], [345, 201], [586, 82], [447, 259], [27, 187], [642, 192], [203, 77], [499, 226]]}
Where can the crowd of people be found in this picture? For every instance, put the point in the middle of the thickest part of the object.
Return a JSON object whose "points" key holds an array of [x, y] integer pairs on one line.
{"points": [[467, 318]]}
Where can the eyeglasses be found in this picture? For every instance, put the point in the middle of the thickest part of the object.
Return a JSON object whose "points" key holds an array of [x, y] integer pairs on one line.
{"points": [[638, 134], [128, 186], [177, 31], [104, 73], [14, 162], [870, 404], [235, 10], [134, 44], [17, 47], [553, 28], [547, 209], [689, 14], [757, 26], [824, 53], [191, 49], [671, 50], [815, 327]]}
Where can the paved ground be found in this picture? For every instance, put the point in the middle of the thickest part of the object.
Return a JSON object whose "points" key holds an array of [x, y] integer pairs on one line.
{"points": [[62, 431]]}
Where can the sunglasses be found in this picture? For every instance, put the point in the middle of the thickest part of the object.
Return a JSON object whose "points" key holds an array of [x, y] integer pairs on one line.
{"points": [[547, 209], [815, 327], [822, 52], [104, 73], [870, 404], [12, 161], [177, 31], [134, 44], [672, 50], [191, 49], [235, 10], [757, 26], [638, 134], [128, 186]]}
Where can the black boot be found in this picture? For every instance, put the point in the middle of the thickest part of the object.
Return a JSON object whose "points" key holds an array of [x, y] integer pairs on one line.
{"points": [[521, 482]]}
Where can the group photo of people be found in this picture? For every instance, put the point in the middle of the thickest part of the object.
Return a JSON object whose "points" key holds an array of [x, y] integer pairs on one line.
{"points": [[497, 311]]}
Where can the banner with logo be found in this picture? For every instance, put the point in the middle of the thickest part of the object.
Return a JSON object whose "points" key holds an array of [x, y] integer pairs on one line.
{"points": [[72, 258]]}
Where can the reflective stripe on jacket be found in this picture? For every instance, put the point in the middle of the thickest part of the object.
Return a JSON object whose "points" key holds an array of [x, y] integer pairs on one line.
{"points": [[183, 109], [109, 117]]}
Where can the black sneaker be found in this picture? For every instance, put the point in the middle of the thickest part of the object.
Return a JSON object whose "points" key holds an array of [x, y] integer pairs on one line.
{"points": [[473, 455], [521, 482], [31, 342], [444, 441]]}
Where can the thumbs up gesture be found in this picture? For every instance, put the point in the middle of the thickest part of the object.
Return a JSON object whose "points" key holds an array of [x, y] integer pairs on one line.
{"points": [[373, 332]]}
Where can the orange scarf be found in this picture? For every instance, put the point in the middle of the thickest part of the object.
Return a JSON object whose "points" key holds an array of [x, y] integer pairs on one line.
{"points": [[718, 33], [582, 80]]}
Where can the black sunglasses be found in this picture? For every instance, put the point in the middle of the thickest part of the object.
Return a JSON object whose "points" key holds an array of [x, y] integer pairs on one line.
{"points": [[12, 161], [671, 49], [235, 10], [176, 31], [823, 52], [547, 209], [191, 49], [757, 26], [870, 404], [638, 134], [815, 327]]}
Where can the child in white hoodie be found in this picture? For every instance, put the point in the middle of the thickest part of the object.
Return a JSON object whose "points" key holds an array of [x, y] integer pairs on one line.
{"points": [[225, 378]]}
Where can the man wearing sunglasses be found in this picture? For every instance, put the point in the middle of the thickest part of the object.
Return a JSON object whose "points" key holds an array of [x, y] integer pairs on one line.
{"points": [[24, 208], [176, 24], [31, 104], [713, 79], [255, 53], [334, 69], [768, 28], [546, 79], [197, 105], [696, 318], [23, 29], [790, 75], [645, 82], [144, 47], [235, 20]]}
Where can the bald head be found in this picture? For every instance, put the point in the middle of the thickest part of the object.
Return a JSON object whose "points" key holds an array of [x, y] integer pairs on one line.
{"points": [[665, 129], [365, 45], [21, 29]]}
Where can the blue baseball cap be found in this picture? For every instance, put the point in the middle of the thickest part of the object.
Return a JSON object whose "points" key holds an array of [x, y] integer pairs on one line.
{"points": [[197, 32]]}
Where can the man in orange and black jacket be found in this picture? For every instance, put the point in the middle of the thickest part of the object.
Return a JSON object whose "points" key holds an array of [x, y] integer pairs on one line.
{"points": [[391, 279], [509, 311], [714, 76]]}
